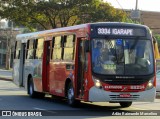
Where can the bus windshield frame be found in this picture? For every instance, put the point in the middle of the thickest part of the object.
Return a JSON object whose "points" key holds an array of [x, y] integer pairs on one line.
{"points": [[125, 56]]}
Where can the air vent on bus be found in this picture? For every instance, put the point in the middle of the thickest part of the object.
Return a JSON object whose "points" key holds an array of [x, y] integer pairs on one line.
{"points": [[125, 81], [118, 98]]}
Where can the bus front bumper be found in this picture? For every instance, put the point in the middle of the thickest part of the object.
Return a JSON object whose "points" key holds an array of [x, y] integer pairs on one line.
{"points": [[100, 95]]}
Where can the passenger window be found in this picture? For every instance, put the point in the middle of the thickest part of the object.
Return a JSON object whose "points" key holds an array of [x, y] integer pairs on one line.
{"points": [[57, 48], [69, 43], [39, 48], [30, 49]]}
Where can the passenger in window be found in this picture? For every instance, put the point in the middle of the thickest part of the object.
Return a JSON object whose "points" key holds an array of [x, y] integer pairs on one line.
{"points": [[103, 60], [97, 53]]}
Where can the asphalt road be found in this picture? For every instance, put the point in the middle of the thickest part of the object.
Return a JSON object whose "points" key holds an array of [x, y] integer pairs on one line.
{"points": [[15, 98]]}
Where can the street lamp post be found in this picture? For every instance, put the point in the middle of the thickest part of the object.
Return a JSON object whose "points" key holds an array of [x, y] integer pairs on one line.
{"points": [[136, 5], [135, 14]]}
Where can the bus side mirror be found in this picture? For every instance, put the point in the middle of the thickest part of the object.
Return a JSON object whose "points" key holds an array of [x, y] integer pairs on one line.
{"points": [[87, 46]]}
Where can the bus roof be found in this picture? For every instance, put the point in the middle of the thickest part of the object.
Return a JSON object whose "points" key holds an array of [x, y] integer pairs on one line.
{"points": [[41, 33], [26, 36]]}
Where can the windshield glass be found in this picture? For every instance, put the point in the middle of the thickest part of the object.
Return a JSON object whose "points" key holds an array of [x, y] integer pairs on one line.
{"points": [[122, 56]]}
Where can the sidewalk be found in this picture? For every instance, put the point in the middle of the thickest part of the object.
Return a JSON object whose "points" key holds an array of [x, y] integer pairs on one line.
{"points": [[6, 74]]}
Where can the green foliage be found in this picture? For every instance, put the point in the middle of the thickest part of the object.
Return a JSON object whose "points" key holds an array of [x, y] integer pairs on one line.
{"points": [[101, 12], [157, 36], [58, 13]]}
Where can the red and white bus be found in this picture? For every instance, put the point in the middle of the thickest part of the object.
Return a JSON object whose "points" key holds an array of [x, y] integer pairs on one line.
{"points": [[93, 62]]}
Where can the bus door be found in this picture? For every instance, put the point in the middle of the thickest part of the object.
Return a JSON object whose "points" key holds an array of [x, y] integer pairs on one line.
{"points": [[21, 66], [45, 70], [81, 68]]}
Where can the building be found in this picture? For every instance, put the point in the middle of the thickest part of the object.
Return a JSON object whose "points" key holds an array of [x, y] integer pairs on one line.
{"points": [[151, 19], [7, 41]]}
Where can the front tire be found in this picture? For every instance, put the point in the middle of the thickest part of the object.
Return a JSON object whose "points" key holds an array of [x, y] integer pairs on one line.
{"points": [[70, 96], [125, 104]]}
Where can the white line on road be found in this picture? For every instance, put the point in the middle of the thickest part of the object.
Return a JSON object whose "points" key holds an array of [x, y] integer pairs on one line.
{"points": [[44, 110]]}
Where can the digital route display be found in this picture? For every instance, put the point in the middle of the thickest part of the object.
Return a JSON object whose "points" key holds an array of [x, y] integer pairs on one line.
{"points": [[121, 31]]}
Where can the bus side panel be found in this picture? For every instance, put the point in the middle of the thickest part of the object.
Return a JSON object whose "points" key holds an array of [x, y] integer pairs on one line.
{"points": [[88, 79], [51, 78], [57, 76], [16, 71], [33, 68], [37, 75]]}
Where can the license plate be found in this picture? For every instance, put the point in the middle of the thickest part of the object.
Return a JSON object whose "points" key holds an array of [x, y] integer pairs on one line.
{"points": [[125, 95]]}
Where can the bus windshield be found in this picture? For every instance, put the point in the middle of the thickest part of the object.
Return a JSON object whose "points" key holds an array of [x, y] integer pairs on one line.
{"points": [[122, 56]]}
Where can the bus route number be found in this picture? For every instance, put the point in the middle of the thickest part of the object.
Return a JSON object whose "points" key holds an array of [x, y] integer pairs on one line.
{"points": [[104, 31], [115, 31]]}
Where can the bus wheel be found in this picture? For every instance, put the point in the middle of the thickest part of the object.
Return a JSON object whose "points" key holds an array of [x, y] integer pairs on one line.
{"points": [[125, 104], [70, 96], [31, 91]]}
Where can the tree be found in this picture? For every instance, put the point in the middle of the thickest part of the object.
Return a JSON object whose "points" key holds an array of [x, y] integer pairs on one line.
{"points": [[47, 14], [157, 36], [102, 12]]}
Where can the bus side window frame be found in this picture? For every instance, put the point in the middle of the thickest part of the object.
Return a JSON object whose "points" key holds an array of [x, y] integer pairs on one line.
{"points": [[27, 47], [53, 41], [17, 49]]}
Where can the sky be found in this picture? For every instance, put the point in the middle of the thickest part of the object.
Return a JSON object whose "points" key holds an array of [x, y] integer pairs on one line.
{"points": [[145, 5]]}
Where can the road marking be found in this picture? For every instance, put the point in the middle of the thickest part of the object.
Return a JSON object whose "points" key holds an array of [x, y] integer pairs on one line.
{"points": [[135, 108], [44, 110]]}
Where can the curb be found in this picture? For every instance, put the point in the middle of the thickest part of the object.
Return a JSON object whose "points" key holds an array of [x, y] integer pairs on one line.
{"points": [[6, 70], [8, 76], [6, 79], [157, 95]]}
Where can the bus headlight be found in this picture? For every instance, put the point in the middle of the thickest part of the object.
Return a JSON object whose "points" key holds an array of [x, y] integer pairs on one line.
{"points": [[150, 84], [97, 83]]}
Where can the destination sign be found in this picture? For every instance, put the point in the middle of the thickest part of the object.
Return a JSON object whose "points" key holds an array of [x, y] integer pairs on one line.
{"points": [[120, 31]]}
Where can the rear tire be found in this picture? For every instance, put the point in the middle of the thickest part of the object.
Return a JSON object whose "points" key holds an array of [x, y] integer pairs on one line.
{"points": [[125, 104], [31, 92], [70, 96]]}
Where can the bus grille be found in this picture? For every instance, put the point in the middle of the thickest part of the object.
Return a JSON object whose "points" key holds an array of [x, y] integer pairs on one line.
{"points": [[125, 81], [118, 98]]}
